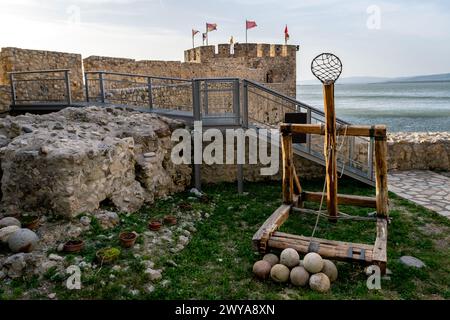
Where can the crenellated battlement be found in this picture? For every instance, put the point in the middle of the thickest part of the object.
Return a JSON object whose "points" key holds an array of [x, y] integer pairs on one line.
{"points": [[240, 50]]}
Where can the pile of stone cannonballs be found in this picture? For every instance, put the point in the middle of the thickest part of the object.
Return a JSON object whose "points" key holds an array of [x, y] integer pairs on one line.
{"points": [[314, 271]]}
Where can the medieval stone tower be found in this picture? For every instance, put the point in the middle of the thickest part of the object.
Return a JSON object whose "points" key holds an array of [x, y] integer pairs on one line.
{"points": [[273, 65]]}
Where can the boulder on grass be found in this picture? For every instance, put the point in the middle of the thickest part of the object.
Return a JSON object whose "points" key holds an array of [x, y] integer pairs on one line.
{"points": [[9, 221], [23, 240], [6, 232]]}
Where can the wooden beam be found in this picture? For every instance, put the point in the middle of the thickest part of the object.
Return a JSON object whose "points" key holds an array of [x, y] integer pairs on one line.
{"points": [[343, 199], [349, 130], [288, 169], [330, 151], [270, 226], [335, 250], [298, 185], [380, 248], [381, 173]]}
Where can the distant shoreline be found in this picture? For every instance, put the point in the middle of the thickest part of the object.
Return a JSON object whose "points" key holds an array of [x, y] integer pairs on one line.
{"points": [[367, 83]]}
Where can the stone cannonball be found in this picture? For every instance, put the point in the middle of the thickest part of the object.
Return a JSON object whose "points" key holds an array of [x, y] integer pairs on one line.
{"points": [[329, 268], [6, 232], [280, 273], [262, 269], [299, 277], [271, 258], [319, 282], [290, 258], [23, 240], [313, 262], [9, 221]]}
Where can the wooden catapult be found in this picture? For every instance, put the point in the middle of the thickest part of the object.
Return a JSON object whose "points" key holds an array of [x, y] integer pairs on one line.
{"points": [[327, 68]]}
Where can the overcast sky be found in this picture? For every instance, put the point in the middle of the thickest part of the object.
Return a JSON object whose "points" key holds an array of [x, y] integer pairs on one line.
{"points": [[373, 38]]}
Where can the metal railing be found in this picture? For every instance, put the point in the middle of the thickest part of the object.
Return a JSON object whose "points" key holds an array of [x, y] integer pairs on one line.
{"points": [[40, 87], [138, 90], [218, 102], [264, 107], [214, 100]]}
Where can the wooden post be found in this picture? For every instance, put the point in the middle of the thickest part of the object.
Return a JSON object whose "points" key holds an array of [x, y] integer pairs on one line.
{"points": [[381, 172], [288, 168], [330, 151]]}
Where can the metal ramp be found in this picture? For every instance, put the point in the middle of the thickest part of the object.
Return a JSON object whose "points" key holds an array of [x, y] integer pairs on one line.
{"points": [[217, 102]]}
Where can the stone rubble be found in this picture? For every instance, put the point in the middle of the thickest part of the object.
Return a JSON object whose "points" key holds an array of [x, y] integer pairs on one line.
{"points": [[80, 157]]}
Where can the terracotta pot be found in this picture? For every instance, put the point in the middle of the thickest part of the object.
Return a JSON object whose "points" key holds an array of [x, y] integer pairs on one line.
{"points": [[155, 225], [73, 246], [127, 239], [170, 220], [186, 206], [31, 223]]}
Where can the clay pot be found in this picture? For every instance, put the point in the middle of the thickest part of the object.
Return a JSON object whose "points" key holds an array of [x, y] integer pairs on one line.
{"points": [[73, 246], [127, 239], [170, 220], [155, 225], [185, 206], [31, 222]]}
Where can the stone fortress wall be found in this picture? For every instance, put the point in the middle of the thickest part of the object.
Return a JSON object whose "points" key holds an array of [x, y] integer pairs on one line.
{"points": [[272, 65], [16, 59]]}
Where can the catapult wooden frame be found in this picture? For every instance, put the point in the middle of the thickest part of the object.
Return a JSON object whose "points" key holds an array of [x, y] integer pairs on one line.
{"points": [[267, 237]]}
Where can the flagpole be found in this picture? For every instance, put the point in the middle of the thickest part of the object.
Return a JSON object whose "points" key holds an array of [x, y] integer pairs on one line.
{"points": [[246, 32], [207, 40], [193, 43]]}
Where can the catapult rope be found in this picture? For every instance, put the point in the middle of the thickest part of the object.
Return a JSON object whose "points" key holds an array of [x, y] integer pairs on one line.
{"points": [[342, 215]]}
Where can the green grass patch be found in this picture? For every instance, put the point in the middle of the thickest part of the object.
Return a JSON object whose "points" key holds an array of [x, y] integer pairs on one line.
{"points": [[217, 263]]}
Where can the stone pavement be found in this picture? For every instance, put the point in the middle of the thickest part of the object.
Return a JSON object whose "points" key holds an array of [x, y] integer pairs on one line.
{"points": [[426, 188]]}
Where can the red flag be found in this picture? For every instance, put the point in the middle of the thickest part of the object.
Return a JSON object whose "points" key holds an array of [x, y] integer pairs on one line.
{"points": [[194, 32], [211, 26], [251, 24], [286, 34]]}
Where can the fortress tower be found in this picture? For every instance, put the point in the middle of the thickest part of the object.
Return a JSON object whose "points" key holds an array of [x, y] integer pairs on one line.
{"points": [[271, 64]]}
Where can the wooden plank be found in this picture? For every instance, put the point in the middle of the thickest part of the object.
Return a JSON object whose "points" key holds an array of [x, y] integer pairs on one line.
{"points": [[348, 130], [343, 199], [381, 176], [380, 247], [261, 237], [288, 169], [298, 185], [336, 251], [323, 241], [330, 151]]}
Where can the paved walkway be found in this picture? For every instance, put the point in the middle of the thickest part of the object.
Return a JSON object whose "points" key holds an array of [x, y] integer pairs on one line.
{"points": [[426, 188]]}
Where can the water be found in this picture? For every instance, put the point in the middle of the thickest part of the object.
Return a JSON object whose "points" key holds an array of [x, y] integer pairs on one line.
{"points": [[420, 106]]}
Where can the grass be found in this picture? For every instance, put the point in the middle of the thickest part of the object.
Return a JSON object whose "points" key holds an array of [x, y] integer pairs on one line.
{"points": [[218, 261]]}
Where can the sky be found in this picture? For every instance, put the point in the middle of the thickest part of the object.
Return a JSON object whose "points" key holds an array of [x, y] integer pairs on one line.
{"points": [[372, 38]]}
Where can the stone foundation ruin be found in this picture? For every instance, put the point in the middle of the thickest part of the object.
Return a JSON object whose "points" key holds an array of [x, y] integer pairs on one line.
{"points": [[69, 162]]}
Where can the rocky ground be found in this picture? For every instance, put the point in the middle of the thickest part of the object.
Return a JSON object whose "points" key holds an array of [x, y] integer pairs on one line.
{"points": [[85, 174], [137, 271]]}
